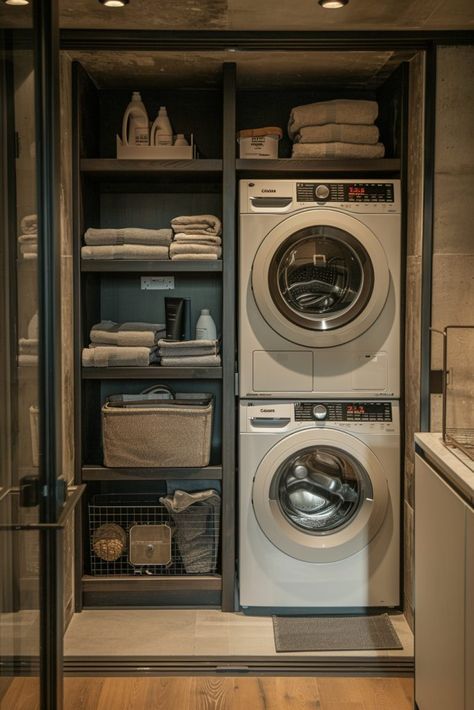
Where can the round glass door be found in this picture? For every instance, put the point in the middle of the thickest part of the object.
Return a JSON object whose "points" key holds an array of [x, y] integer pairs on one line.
{"points": [[320, 278]]}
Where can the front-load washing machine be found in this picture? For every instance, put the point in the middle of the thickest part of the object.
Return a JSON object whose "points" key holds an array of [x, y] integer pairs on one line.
{"points": [[319, 288], [319, 505]]}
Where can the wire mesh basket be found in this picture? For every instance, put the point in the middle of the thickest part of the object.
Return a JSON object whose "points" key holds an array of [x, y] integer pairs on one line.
{"points": [[194, 535]]}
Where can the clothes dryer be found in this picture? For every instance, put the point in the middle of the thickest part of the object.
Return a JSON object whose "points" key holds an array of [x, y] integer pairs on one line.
{"points": [[319, 302]]}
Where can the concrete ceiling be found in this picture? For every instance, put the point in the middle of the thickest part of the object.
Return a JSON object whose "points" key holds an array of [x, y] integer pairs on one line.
{"points": [[257, 15]]}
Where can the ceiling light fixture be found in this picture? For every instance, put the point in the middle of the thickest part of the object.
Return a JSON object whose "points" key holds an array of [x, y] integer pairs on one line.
{"points": [[16, 2], [114, 3], [333, 4]]}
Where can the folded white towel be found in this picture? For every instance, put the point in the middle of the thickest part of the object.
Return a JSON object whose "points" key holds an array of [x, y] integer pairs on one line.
{"points": [[192, 361], [193, 248], [126, 251], [197, 224], [194, 257], [116, 356], [330, 151], [338, 111], [186, 348], [128, 235], [338, 132], [127, 334], [198, 239], [29, 224]]}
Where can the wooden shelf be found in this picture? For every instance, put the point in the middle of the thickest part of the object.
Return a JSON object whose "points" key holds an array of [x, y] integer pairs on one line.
{"points": [[101, 473], [152, 372], [113, 169], [290, 166], [178, 582], [190, 590], [135, 266]]}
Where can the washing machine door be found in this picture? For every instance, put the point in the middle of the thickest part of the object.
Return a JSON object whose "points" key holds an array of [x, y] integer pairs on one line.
{"points": [[320, 278], [320, 495]]}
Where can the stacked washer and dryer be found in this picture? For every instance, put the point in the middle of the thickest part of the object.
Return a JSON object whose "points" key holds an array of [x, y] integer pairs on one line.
{"points": [[319, 384]]}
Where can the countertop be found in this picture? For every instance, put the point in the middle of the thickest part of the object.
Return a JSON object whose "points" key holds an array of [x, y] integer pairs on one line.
{"points": [[460, 475]]}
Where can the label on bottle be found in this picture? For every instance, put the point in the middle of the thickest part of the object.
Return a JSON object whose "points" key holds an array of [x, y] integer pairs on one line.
{"points": [[141, 136], [201, 333]]}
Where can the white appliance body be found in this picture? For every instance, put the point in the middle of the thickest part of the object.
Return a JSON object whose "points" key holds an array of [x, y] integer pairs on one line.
{"points": [[319, 289], [319, 505]]}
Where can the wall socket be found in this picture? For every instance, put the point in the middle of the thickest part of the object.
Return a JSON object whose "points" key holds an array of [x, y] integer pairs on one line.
{"points": [[157, 283]]}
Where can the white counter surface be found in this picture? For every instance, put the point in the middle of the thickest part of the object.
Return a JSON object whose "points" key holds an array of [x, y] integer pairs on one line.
{"points": [[460, 475]]}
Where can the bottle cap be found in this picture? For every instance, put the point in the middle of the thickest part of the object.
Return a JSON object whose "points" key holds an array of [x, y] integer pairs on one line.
{"points": [[163, 108], [136, 96], [204, 311]]}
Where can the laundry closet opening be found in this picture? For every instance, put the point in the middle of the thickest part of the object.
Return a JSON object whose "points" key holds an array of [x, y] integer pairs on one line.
{"points": [[124, 609]]}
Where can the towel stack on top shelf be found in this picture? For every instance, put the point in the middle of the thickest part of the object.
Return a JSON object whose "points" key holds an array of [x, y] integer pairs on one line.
{"points": [[196, 237], [128, 243], [28, 239], [342, 129], [189, 353], [126, 345]]}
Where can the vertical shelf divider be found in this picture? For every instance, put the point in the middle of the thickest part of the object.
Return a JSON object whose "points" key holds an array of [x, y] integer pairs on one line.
{"points": [[229, 339]]}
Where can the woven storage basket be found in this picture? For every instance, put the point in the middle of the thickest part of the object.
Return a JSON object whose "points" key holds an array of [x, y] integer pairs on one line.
{"points": [[148, 431]]}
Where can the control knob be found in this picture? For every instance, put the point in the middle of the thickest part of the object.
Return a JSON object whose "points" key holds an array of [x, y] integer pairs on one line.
{"points": [[320, 412], [321, 192]]}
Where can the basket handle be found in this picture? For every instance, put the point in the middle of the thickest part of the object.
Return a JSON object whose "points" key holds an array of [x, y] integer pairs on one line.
{"points": [[160, 389]]}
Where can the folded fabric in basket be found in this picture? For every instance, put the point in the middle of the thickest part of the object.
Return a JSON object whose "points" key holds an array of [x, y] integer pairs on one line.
{"points": [[187, 348], [337, 150], [29, 224], [28, 346], [193, 248], [117, 356], [127, 334], [191, 361], [125, 251], [197, 239], [128, 235], [338, 111], [338, 132], [197, 224]]}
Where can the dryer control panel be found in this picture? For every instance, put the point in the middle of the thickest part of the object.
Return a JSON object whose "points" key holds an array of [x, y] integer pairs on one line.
{"points": [[343, 411], [344, 192]]}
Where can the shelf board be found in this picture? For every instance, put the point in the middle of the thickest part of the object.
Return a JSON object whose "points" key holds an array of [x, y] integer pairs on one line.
{"points": [[113, 169], [156, 267], [125, 583], [152, 372], [288, 166], [101, 473]]}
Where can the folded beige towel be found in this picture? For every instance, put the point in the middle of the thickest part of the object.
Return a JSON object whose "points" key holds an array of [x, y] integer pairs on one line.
{"points": [[116, 356], [197, 224], [338, 111], [127, 334], [29, 250], [128, 235], [126, 251], [28, 239], [194, 257], [329, 151], [192, 248], [196, 361], [338, 132], [29, 224], [198, 239], [28, 346], [186, 348], [27, 359]]}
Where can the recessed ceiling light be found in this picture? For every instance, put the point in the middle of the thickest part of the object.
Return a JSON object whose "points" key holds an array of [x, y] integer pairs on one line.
{"points": [[114, 3], [16, 2], [333, 4]]}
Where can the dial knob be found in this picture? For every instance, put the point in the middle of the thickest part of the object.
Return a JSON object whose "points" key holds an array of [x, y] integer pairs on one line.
{"points": [[320, 411], [321, 192]]}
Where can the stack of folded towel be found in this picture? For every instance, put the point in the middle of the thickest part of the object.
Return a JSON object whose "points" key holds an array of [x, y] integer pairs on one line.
{"points": [[128, 243], [128, 344], [189, 353], [28, 239], [28, 347], [335, 129], [196, 237]]}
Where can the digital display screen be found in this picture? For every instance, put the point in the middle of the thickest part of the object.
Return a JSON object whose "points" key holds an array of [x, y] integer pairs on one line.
{"points": [[356, 190]]}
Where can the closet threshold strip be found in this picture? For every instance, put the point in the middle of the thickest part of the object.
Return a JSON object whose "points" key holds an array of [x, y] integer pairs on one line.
{"points": [[101, 473], [152, 372]]}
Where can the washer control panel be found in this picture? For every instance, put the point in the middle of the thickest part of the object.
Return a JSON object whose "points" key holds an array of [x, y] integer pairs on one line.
{"points": [[343, 411], [344, 192]]}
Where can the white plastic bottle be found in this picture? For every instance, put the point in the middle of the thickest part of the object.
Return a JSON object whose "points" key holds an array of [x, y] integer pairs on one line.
{"points": [[205, 326], [161, 131], [181, 140], [135, 124]]}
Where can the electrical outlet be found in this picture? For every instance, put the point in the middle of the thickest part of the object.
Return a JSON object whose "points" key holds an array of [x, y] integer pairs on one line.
{"points": [[157, 283]]}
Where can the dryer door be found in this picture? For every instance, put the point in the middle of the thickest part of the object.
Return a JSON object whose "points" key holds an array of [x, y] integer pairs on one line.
{"points": [[320, 278], [320, 495]]}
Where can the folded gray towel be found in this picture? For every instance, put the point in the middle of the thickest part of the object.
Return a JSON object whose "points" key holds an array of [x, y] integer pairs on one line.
{"points": [[192, 361], [197, 224], [126, 251], [128, 235], [337, 150], [116, 356], [29, 224], [194, 257], [198, 239], [28, 346], [338, 132], [338, 111], [187, 348], [127, 334], [192, 248]]}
